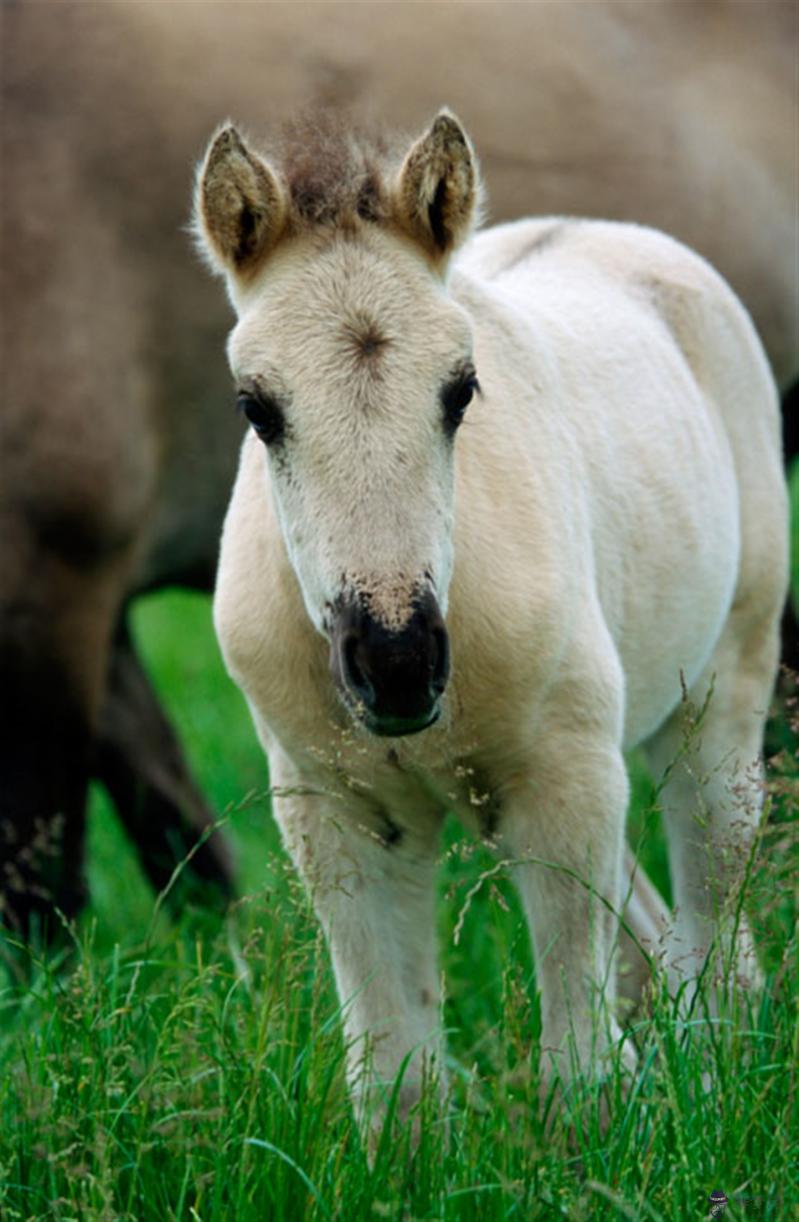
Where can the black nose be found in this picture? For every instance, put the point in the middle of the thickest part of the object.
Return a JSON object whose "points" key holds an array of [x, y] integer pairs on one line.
{"points": [[393, 680]]}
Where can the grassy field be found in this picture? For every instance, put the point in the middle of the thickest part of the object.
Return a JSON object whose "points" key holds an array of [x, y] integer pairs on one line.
{"points": [[192, 1067]]}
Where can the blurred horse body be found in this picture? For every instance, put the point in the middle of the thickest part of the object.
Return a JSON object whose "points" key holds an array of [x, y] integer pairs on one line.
{"points": [[119, 447]]}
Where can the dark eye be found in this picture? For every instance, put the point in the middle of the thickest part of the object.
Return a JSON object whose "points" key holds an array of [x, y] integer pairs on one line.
{"points": [[264, 415], [456, 397]]}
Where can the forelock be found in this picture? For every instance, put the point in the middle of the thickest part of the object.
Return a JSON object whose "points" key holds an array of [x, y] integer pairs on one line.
{"points": [[337, 174]]}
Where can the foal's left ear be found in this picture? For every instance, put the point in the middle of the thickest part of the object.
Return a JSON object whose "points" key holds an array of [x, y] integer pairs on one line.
{"points": [[438, 191]]}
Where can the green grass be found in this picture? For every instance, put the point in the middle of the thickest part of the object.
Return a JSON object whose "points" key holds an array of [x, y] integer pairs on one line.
{"points": [[193, 1068]]}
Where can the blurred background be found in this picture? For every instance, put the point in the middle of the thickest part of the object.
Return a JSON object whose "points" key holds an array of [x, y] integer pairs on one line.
{"points": [[119, 431]]}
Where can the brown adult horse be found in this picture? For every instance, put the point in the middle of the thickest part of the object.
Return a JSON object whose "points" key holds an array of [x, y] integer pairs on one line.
{"points": [[119, 449]]}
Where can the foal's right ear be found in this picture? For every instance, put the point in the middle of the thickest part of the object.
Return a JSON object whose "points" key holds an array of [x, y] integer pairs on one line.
{"points": [[239, 206]]}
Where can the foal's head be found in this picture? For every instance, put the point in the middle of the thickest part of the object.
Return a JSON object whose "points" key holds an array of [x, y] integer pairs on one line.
{"points": [[354, 368]]}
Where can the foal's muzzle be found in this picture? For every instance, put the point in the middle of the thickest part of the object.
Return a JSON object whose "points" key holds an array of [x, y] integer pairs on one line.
{"points": [[392, 681]]}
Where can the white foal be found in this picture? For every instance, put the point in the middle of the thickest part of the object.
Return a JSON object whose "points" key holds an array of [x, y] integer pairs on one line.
{"points": [[495, 507]]}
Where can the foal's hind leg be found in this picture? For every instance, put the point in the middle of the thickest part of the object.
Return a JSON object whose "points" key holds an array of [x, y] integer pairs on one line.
{"points": [[709, 756], [645, 915]]}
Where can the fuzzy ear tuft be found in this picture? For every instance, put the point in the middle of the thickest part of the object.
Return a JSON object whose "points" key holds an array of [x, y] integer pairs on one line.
{"points": [[438, 191], [239, 206]]}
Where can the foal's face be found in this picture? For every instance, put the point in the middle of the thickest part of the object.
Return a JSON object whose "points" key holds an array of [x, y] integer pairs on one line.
{"points": [[355, 370]]}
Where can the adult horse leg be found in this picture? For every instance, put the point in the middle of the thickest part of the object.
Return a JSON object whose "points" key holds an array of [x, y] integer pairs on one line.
{"points": [[46, 749], [372, 884], [790, 436], [141, 764], [55, 629]]}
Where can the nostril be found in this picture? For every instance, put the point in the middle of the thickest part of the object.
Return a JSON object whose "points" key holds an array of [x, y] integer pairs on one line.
{"points": [[353, 671], [440, 667]]}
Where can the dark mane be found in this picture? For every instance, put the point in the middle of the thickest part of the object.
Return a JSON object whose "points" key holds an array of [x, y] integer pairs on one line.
{"points": [[336, 172]]}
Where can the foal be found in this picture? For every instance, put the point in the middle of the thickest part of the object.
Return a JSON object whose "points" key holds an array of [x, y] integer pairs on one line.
{"points": [[504, 497]]}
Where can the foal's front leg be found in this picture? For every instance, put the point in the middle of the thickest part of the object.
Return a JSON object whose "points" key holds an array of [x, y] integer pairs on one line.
{"points": [[372, 883], [568, 811]]}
